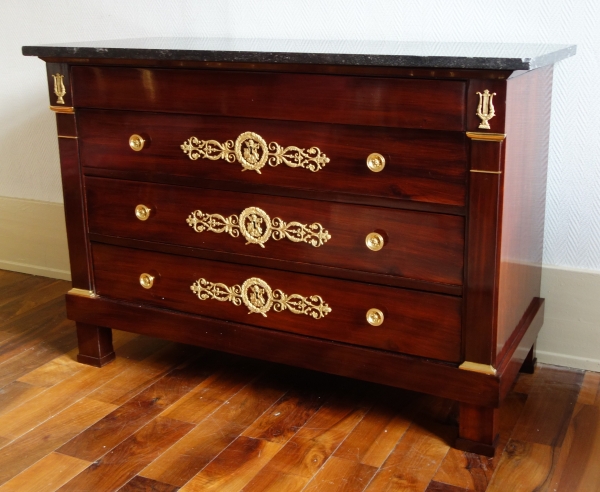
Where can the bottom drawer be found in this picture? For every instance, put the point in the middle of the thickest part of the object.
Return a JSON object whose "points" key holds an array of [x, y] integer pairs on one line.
{"points": [[417, 323]]}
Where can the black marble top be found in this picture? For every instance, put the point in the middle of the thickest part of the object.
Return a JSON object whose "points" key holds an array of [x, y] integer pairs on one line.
{"points": [[498, 56]]}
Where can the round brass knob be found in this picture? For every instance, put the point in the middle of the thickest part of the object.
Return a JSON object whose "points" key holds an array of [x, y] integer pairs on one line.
{"points": [[376, 162], [146, 280], [374, 241], [375, 317], [136, 142], [142, 212]]}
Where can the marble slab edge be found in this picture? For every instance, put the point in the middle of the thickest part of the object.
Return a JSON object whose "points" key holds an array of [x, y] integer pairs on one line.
{"points": [[410, 61]]}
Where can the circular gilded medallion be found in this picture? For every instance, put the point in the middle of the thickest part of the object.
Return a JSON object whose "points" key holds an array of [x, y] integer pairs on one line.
{"points": [[255, 225], [257, 295], [251, 151]]}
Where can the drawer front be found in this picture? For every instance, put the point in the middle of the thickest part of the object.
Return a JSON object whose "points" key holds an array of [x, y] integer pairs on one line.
{"points": [[373, 101], [420, 166], [417, 245], [417, 323]]}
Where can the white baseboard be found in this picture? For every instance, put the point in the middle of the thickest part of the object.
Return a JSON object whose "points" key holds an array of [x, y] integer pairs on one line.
{"points": [[33, 238], [571, 332], [34, 241]]}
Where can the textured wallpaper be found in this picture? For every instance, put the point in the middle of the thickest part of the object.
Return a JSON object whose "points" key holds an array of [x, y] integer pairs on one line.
{"points": [[28, 150]]}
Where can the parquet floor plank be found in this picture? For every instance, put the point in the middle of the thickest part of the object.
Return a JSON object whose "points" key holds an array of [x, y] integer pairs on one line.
{"points": [[303, 455], [23, 287], [66, 365], [472, 471], [141, 484], [234, 467], [40, 408], [37, 355], [416, 458], [8, 278], [124, 421], [34, 327], [54, 371], [46, 475], [581, 471], [123, 462], [214, 391], [444, 487], [23, 452], [549, 406], [137, 377], [590, 389], [374, 438], [287, 415], [15, 394], [217, 431], [524, 467], [26, 298], [340, 475]]}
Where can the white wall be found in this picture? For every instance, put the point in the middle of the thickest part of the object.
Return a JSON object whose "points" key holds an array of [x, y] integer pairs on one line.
{"points": [[28, 148]]}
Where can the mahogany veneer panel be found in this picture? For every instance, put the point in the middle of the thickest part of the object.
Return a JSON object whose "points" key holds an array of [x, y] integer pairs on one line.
{"points": [[418, 245], [417, 323], [421, 166], [390, 102]]}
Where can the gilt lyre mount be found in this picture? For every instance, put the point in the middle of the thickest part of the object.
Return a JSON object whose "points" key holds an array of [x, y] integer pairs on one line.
{"points": [[485, 109], [59, 88]]}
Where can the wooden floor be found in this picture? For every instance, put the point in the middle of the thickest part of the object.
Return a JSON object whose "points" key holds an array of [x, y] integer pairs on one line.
{"points": [[165, 417]]}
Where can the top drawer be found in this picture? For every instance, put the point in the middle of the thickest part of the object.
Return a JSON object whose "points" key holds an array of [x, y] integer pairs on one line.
{"points": [[372, 101]]}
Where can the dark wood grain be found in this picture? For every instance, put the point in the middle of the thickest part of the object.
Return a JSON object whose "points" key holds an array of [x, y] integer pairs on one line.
{"points": [[443, 487], [483, 229], [429, 104], [311, 269], [581, 472], [418, 167], [59, 67], [163, 177], [418, 245], [549, 407], [131, 456], [523, 210], [126, 420], [206, 441], [477, 429], [75, 216], [480, 84], [415, 322], [520, 344], [141, 484], [335, 358], [95, 345], [65, 125]]}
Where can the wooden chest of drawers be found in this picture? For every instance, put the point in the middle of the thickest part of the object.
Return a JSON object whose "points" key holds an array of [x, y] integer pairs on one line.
{"points": [[381, 220]]}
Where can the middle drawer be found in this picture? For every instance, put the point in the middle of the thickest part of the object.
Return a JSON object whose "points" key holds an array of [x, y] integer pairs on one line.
{"points": [[416, 245]]}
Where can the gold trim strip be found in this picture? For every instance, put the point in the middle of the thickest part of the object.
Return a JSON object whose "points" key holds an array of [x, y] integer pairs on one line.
{"points": [[476, 367], [486, 172], [81, 292], [258, 297], [63, 109], [257, 227], [253, 152], [487, 137], [66, 136]]}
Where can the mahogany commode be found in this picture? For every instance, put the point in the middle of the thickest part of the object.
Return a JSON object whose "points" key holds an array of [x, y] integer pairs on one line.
{"points": [[369, 210]]}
